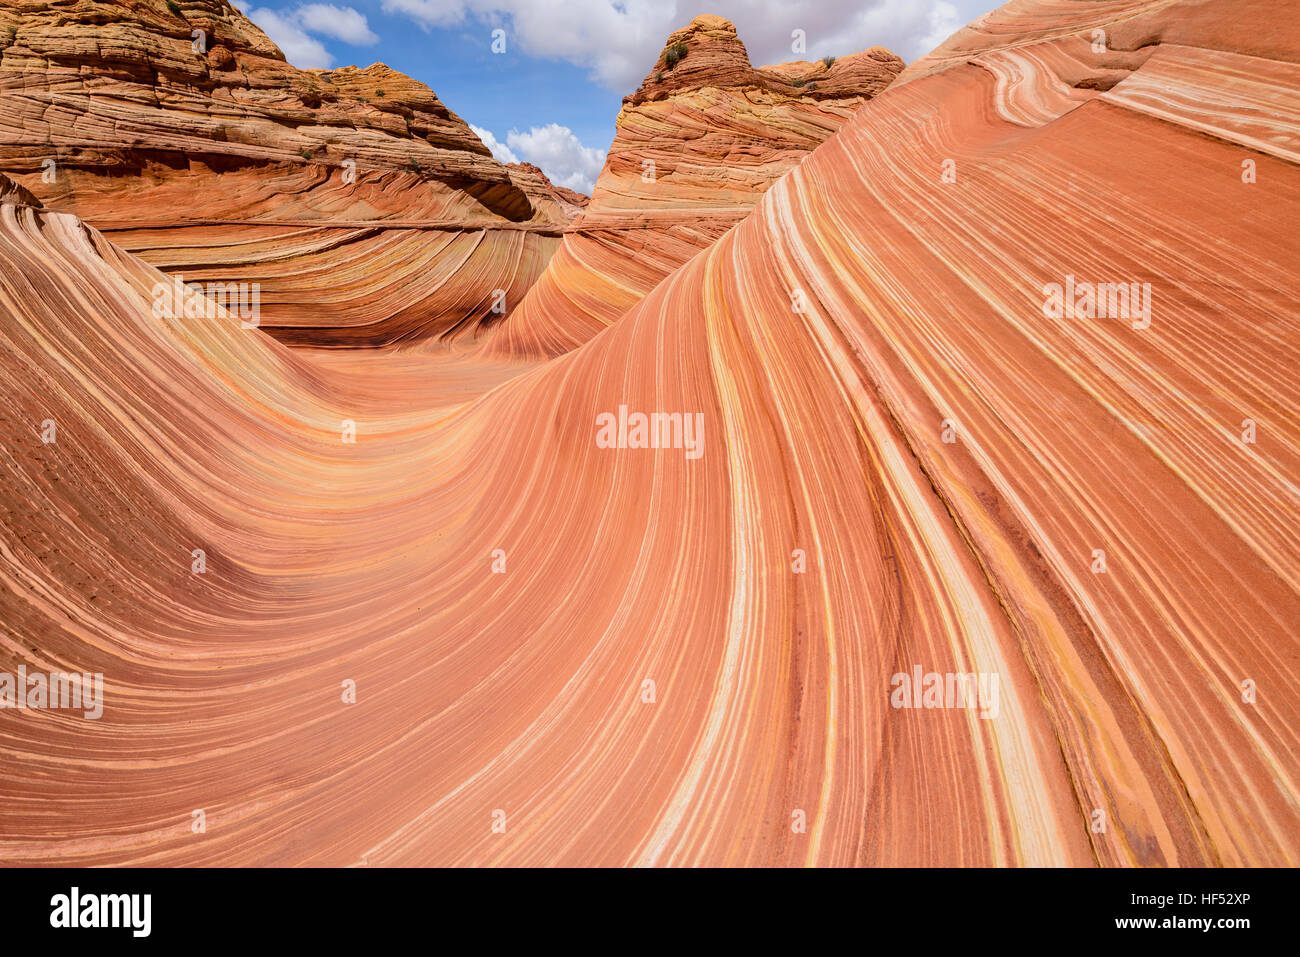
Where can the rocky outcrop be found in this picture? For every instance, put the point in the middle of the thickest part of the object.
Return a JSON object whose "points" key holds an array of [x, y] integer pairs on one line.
{"points": [[696, 146], [536, 184], [368, 212], [707, 53], [12, 193]]}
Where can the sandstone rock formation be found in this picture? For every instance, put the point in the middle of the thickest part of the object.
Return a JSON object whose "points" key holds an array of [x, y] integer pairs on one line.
{"points": [[634, 656], [367, 211], [696, 146]]}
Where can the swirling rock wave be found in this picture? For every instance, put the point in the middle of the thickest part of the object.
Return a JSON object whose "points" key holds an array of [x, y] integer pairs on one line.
{"points": [[564, 653]]}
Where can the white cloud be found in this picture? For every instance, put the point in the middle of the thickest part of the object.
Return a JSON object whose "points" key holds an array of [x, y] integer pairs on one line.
{"points": [[500, 152], [432, 13], [618, 40], [298, 48], [341, 23], [944, 22], [291, 31], [552, 148]]}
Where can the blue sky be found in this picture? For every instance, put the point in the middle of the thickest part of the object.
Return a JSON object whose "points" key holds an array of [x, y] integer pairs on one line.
{"points": [[552, 95]]}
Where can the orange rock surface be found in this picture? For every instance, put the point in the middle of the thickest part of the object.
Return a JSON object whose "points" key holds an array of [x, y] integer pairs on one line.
{"points": [[910, 458], [696, 146], [367, 212]]}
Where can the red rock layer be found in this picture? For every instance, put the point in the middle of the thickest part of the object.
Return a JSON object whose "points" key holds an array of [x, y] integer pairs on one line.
{"points": [[367, 211], [696, 145], [947, 453]]}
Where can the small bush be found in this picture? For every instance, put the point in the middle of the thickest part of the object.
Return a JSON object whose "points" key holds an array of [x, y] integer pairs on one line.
{"points": [[828, 61], [174, 7], [811, 87], [675, 54], [797, 82], [379, 92], [305, 154], [659, 77], [412, 166]]}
